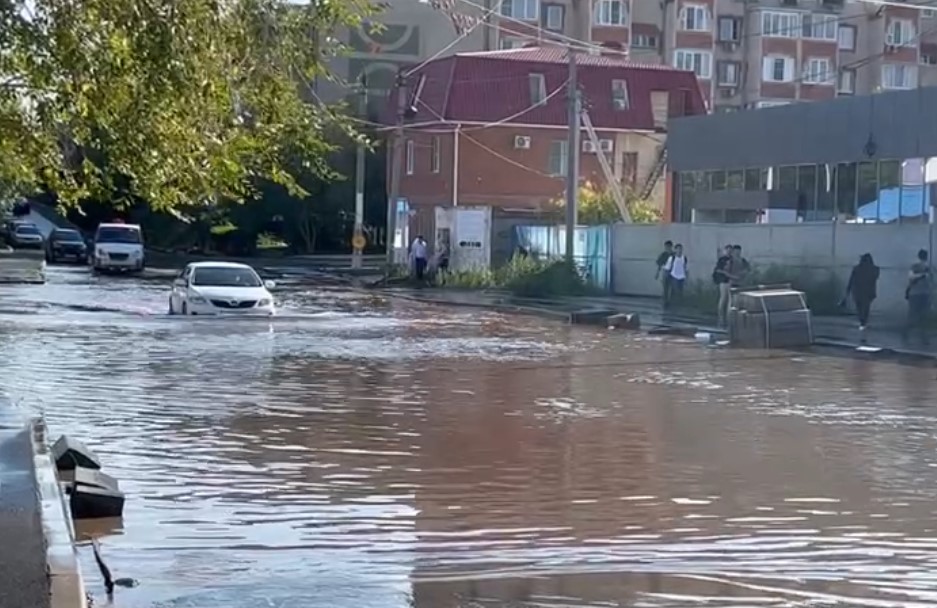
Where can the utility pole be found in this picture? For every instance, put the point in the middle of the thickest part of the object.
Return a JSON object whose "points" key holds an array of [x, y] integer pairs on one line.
{"points": [[572, 156], [396, 165], [357, 241]]}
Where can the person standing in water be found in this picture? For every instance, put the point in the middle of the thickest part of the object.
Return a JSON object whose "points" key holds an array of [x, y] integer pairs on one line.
{"points": [[863, 287]]}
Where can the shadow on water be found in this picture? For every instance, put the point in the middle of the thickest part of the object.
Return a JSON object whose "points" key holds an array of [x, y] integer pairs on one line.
{"points": [[357, 452]]}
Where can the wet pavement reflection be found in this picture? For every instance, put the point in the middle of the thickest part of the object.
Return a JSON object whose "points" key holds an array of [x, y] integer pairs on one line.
{"points": [[356, 452]]}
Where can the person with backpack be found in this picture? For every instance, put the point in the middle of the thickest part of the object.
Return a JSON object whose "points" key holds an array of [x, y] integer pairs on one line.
{"points": [[721, 279], [662, 276], [676, 269], [918, 295]]}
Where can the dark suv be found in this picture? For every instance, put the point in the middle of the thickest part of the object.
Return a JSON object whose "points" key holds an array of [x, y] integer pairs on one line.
{"points": [[64, 244]]}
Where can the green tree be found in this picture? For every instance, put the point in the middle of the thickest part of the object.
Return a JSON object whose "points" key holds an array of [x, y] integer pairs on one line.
{"points": [[175, 103], [597, 206]]}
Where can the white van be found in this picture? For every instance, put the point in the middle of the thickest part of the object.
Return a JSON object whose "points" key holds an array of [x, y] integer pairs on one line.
{"points": [[118, 247]]}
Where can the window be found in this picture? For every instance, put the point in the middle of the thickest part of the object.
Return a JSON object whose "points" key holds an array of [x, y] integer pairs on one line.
{"points": [[819, 27], [507, 44], [620, 95], [694, 18], [699, 62], [928, 13], [434, 155], [847, 38], [847, 82], [929, 56], [558, 157], [730, 29], [644, 41], [611, 12], [528, 10], [555, 15], [780, 25], [410, 156], [899, 76], [728, 73], [900, 33], [819, 70], [778, 69], [538, 89]]}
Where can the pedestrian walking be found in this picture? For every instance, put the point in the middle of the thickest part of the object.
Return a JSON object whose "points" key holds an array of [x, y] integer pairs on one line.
{"points": [[918, 295], [863, 287], [660, 275], [676, 269], [721, 279], [418, 251]]}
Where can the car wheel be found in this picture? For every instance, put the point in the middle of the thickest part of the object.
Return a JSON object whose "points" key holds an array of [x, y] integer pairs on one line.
{"points": [[172, 309]]}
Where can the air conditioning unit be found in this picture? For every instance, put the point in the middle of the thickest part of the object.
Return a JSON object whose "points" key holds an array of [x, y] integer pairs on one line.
{"points": [[606, 144], [728, 92], [730, 45], [521, 142], [588, 147]]}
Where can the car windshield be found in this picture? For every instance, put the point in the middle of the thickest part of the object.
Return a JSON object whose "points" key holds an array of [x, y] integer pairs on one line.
{"points": [[217, 276], [27, 230], [68, 236], [118, 234]]}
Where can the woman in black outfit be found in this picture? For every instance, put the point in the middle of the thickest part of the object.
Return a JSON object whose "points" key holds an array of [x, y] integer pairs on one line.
{"points": [[862, 286]]}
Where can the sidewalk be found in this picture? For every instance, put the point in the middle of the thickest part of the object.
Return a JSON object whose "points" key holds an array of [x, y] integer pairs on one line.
{"points": [[838, 331], [24, 582]]}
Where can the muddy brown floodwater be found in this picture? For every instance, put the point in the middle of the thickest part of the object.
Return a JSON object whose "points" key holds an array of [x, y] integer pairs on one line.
{"points": [[356, 453]]}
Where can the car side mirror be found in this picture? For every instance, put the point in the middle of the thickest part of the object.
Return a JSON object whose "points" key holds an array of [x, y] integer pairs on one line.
{"points": [[270, 284]]}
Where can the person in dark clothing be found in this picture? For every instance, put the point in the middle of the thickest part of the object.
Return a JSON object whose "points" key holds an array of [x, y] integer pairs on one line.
{"points": [[863, 287], [664, 277]]}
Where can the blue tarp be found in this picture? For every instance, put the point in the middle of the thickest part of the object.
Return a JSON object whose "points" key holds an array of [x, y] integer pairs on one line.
{"points": [[591, 248], [908, 201]]}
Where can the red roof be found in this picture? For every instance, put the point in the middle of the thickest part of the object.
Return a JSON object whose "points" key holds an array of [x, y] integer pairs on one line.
{"points": [[493, 86]]}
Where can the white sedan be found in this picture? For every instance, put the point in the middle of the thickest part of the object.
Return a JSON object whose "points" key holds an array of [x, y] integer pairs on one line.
{"points": [[216, 288]]}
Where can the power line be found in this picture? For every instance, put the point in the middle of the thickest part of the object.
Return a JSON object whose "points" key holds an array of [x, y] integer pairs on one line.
{"points": [[460, 38]]}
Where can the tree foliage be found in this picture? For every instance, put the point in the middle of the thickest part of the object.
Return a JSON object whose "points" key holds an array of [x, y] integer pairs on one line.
{"points": [[175, 102], [597, 206]]}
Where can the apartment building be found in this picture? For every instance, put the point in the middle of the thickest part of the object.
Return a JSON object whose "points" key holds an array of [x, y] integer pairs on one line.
{"points": [[746, 53]]}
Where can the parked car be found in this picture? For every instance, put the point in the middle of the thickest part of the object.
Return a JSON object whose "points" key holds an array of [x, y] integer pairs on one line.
{"points": [[26, 236], [118, 247], [220, 288], [66, 244]]}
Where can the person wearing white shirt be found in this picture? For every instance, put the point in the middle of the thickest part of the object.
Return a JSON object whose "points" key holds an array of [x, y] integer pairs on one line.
{"points": [[418, 255], [676, 269]]}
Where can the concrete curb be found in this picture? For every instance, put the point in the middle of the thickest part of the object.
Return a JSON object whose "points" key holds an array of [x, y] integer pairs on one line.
{"points": [[67, 588]]}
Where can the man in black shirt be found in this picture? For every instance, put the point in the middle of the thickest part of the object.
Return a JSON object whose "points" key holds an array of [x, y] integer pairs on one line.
{"points": [[721, 279], [664, 277]]}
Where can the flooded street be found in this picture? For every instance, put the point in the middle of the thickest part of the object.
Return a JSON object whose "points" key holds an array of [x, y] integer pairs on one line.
{"points": [[358, 453]]}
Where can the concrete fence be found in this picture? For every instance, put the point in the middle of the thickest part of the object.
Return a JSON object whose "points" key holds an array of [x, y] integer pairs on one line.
{"points": [[808, 248]]}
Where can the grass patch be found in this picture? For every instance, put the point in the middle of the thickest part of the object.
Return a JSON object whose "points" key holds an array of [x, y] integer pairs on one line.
{"points": [[523, 276]]}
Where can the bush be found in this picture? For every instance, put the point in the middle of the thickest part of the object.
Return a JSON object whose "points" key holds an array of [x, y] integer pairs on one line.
{"points": [[823, 291], [523, 276]]}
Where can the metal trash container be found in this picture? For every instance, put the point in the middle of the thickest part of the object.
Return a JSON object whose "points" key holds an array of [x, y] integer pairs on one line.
{"points": [[769, 316]]}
